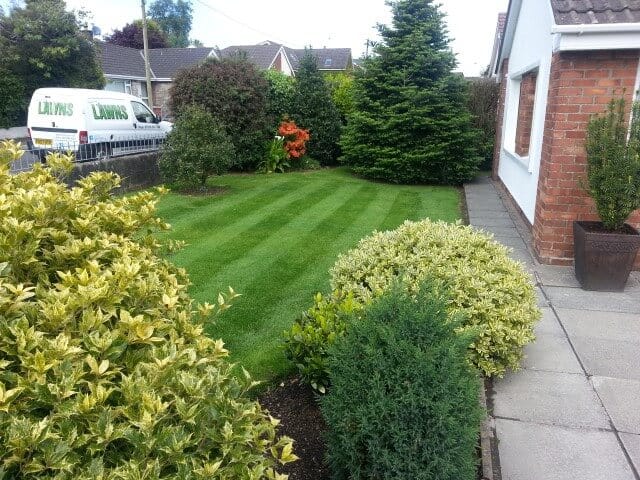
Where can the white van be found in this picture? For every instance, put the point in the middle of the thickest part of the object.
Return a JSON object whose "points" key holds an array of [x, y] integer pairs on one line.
{"points": [[93, 124]]}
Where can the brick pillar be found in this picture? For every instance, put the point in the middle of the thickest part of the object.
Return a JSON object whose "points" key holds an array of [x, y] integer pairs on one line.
{"points": [[581, 84], [525, 112], [499, 117]]}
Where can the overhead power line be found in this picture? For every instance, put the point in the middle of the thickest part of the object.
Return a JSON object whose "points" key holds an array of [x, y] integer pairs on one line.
{"points": [[240, 22]]}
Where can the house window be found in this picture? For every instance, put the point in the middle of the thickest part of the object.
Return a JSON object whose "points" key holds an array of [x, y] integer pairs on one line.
{"points": [[519, 114], [327, 62], [525, 112], [123, 86]]}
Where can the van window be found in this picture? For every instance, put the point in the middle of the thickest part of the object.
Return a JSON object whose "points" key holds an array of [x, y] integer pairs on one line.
{"points": [[142, 113]]}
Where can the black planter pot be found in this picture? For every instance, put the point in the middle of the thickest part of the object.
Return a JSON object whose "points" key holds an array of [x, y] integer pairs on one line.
{"points": [[603, 260]]}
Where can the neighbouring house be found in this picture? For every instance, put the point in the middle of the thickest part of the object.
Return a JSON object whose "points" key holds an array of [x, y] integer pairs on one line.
{"points": [[273, 55], [558, 63], [124, 70], [124, 67]]}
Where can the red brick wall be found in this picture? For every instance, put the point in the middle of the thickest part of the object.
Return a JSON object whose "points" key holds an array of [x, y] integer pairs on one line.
{"points": [[525, 112], [499, 117], [581, 84], [277, 64]]}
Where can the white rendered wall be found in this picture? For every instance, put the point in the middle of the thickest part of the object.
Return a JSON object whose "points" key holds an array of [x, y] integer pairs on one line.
{"points": [[532, 48]]}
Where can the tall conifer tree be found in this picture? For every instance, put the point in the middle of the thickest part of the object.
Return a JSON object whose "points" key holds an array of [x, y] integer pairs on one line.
{"points": [[411, 123]]}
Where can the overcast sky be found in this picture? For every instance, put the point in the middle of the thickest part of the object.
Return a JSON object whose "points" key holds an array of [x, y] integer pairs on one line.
{"points": [[319, 23]]}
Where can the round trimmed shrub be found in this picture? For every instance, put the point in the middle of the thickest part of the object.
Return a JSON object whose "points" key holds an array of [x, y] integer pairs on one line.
{"points": [[235, 92], [492, 290], [196, 148], [105, 371], [403, 402]]}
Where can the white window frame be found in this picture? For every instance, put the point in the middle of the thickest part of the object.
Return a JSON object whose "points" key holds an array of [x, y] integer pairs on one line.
{"points": [[511, 110]]}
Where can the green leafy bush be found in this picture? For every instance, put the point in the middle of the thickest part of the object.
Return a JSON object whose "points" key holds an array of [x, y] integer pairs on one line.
{"points": [[196, 148], [307, 341], [13, 108], [484, 94], [314, 110], [235, 93], [493, 291], [280, 96], [341, 87], [613, 163], [403, 402], [277, 159], [105, 372]]}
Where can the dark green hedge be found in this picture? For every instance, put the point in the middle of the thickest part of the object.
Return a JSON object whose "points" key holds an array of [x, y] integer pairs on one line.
{"points": [[404, 401]]}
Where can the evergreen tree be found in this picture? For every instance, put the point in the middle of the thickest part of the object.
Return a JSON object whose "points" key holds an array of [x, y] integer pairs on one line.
{"points": [[174, 18], [41, 45], [411, 123], [315, 111]]}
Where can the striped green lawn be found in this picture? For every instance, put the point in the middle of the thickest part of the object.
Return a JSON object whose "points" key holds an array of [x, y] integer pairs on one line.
{"points": [[274, 237]]}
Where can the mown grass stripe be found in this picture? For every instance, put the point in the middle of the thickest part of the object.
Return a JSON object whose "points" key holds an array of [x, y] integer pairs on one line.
{"points": [[222, 210], [240, 236]]}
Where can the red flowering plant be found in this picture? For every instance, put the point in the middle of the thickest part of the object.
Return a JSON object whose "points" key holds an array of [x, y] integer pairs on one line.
{"points": [[295, 138]]}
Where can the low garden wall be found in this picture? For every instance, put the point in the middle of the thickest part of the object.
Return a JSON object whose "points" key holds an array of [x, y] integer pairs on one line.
{"points": [[137, 171]]}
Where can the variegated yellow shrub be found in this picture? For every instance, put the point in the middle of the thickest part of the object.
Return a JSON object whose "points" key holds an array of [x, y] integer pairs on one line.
{"points": [[494, 292], [105, 372]]}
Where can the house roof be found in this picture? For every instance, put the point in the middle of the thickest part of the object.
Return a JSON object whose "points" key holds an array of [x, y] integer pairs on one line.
{"points": [[262, 55], [122, 61], [164, 62], [327, 58], [581, 12]]}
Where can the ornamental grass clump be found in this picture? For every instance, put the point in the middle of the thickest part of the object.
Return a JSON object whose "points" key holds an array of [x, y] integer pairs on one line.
{"points": [[613, 163], [403, 402], [493, 292], [105, 372]]}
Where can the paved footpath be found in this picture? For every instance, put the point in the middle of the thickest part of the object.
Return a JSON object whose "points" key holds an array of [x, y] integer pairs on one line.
{"points": [[573, 411]]}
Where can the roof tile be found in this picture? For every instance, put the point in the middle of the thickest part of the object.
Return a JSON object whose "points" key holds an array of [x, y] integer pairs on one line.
{"points": [[578, 12]]}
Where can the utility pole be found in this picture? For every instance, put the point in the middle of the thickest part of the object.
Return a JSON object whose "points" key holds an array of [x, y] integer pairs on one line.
{"points": [[147, 68]]}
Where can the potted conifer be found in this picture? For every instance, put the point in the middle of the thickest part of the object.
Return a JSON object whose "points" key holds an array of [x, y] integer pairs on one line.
{"points": [[605, 251]]}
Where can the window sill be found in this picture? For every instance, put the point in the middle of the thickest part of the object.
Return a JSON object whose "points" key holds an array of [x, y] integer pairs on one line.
{"points": [[522, 161]]}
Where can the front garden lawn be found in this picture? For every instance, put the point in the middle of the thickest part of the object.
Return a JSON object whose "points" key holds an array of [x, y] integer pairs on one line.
{"points": [[273, 239]]}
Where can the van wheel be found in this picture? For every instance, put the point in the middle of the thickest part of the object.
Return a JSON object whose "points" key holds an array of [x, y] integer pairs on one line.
{"points": [[102, 151]]}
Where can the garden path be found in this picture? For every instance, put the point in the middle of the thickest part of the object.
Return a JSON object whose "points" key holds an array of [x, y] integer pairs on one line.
{"points": [[573, 411]]}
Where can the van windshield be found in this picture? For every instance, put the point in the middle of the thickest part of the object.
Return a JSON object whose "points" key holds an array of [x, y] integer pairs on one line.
{"points": [[142, 113]]}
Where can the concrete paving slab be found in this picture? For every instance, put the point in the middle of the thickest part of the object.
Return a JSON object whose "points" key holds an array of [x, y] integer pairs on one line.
{"points": [[511, 242], [609, 358], [554, 276], [551, 353], [542, 300], [621, 399], [542, 452], [501, 231], [576, 298], [522, 255], [549, 398], [606, 325], [497, 221], [632, 445], [548, 324]]}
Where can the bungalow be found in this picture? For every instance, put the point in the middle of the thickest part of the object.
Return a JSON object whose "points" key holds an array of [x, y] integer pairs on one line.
{"points": [[558, 62], [125, 71]]}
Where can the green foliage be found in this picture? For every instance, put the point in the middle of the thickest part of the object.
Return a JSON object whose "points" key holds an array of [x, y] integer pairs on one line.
{"points": [[42, 46], [234, 92], [493, 292], [484, 94], [411, 122], [277, 158], [308, 340], [280, 96], [14, 101], [196, 148], [341, 86], [314, 110], [613, 163], [403, 402], [174, 18], [105, 372]]}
